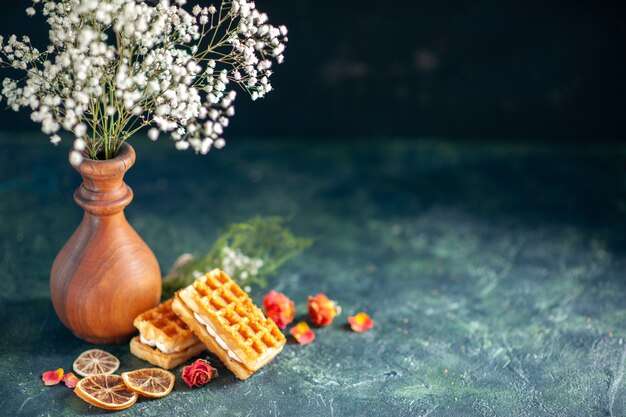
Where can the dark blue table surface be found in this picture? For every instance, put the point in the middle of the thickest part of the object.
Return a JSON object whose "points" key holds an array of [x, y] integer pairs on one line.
{"points": [[494, 271]]}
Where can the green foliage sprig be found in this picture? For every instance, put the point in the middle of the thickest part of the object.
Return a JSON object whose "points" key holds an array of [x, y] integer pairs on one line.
{"points": [[249, 252]]}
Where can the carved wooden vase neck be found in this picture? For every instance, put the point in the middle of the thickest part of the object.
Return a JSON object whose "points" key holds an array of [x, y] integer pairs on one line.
{"points": [[105, 275], [103, 191]]}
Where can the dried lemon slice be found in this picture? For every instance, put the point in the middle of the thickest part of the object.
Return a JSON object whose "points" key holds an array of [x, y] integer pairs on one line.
{"points": [[150, 382], [106, 391], [95, 361]]}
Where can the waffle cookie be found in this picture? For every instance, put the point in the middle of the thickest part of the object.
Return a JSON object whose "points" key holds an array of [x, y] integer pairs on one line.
{"points": [[226, 320], [164, 340]]}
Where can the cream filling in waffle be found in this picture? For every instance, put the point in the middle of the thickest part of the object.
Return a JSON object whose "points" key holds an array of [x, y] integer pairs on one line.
{"points": [[154, 343], [218, 339]]}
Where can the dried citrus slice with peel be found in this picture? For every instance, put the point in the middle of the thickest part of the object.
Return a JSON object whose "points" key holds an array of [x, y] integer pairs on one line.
{"points": [[106, 391], [150, 382], [95, 362]]}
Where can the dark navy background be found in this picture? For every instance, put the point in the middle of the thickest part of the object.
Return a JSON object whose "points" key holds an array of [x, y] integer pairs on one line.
{"points": [[492, 263], [414, 68]]}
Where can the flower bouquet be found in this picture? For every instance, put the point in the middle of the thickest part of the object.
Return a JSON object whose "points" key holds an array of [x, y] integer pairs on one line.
{"points": [[114, 68]]}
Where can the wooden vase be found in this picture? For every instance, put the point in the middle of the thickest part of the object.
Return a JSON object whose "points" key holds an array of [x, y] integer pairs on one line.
{"points": [[105, 275]]}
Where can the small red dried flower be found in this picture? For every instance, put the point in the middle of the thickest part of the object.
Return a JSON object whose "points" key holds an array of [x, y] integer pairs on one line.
{"points": [[52, 377], [361, 322], [70, 380], [198, 373], [322, 311], [279, 308], [302, 333]]}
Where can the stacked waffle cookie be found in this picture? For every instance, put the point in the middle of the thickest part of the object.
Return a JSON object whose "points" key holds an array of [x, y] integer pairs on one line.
{"points": [[226, 321], [164, 339]]}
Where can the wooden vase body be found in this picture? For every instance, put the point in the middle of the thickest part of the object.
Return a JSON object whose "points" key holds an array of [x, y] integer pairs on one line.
{"points": [[105, 275]]}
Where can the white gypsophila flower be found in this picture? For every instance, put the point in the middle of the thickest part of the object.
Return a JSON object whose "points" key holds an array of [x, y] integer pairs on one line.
{"points": [[80, 129], [238, 265], [153, 133], [219, 143], [114, 67], [79, 144], [75, 158], [55, 139]]}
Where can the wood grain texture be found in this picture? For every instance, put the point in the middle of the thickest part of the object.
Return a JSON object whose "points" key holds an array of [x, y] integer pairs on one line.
{"points": [[105, 275]]}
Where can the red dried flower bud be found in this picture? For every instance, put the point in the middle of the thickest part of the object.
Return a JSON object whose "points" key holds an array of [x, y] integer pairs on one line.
{"points": [[52, 377], [70, 380], [279, 308], [198, 373], [361, 322], [322, 311], [302, 333]]}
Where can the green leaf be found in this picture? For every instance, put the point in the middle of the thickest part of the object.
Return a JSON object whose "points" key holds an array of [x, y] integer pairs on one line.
{"points": [[261, 238]]}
